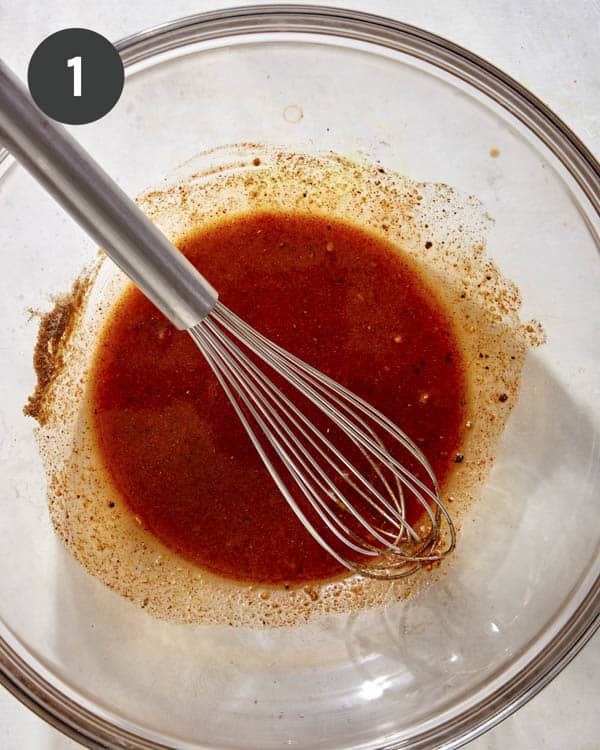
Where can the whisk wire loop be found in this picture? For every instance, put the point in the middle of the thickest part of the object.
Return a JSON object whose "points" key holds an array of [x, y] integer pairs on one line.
{"points": [[388, 545]]}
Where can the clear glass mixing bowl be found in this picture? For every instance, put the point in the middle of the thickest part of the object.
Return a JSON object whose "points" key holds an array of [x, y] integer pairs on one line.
{"points": [[522, 594]]}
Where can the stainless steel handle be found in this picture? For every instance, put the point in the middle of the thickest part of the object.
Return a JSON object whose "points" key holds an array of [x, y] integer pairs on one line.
{"points": [[106, 213]]}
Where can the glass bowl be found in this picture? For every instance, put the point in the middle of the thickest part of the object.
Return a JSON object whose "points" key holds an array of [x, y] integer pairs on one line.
{"points": [[523, 594]]}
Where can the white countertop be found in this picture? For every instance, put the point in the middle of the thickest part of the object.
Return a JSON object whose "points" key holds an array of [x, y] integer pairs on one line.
{"points": [[551, 48]]}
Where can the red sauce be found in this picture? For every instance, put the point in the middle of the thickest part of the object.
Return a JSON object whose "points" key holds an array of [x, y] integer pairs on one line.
{"points": [[339, 298]]}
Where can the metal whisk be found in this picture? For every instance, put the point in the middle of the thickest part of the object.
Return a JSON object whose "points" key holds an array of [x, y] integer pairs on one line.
{"points": [[347, 482]]}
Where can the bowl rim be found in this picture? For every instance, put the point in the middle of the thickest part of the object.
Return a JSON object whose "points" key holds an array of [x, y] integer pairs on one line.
{"points": [[92, 731]]}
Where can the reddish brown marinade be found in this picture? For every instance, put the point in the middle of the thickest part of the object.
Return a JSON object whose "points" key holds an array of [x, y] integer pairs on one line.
{"points": [[339, 298]]}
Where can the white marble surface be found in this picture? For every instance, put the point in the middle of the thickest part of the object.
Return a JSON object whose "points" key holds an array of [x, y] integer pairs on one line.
{"points": [[550, 47]]}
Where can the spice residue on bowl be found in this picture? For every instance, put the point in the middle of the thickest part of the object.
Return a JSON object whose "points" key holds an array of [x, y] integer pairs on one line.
{"points": [[380, 281], [55, 329]]}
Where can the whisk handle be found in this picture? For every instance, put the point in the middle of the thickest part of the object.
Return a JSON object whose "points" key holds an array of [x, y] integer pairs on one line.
{"points": [[102, 209]]}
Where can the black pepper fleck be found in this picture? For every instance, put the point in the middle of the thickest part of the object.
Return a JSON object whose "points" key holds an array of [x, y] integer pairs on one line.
{"points": [[111, 504], [459, 458], [503, 397], [428, 245]]}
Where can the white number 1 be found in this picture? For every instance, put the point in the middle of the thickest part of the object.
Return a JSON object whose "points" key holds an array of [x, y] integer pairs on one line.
{"points": [[75, 63]]}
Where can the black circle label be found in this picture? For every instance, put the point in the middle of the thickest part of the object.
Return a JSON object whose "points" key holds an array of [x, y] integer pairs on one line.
{"points": [[75, 76]]}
